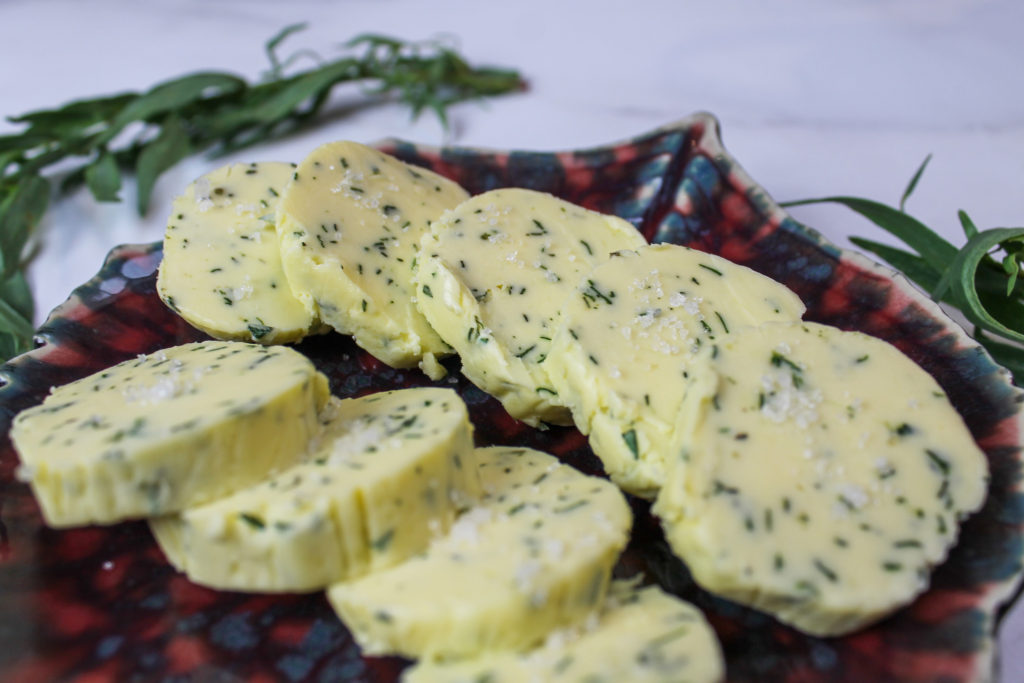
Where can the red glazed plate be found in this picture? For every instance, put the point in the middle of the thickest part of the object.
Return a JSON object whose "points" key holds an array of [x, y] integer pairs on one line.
{"points": [[101, 603]]}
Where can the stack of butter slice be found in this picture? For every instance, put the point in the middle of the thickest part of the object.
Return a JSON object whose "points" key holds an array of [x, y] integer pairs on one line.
{"points": [[518, 590], [386, 473], [629, 337], [264, 252], [492, 276], [221, 268], [534, 554], [350, 223]]}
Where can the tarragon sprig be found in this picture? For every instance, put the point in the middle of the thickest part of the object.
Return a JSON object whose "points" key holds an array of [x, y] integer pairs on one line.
{"points": [[981, 278], [148, 133]]}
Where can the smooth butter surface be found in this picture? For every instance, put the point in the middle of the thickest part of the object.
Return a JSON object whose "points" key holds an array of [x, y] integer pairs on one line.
{"points": [[386, 474], [641, 636], [492, 277], [161, 432], [534, 554], [350, 223], [221, 269], [629, 336], [826, 474]]}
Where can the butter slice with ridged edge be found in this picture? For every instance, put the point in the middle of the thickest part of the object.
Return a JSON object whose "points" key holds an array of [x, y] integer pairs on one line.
{"points": [[221, 269], [806, 489], [350, 224], [386, 474], [492, 276], [642, 635], [161, 432], [629, 336], [533, 555]]}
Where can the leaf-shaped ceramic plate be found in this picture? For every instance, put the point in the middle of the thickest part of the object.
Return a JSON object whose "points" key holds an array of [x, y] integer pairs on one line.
{"points": [[103, 603]]}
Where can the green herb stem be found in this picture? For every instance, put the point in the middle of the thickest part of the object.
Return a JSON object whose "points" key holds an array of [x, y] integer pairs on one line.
{"points": [[197, 112], [980, 278]]}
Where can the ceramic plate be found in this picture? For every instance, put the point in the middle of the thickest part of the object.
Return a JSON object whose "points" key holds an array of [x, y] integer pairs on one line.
{"points": [[102, 603]]}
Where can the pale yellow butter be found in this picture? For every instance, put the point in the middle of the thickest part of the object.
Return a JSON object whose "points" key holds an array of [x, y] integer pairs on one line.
{"points": [[641, 636], [533, 555], [492, 277], [628, 338], [387, 473], [176, 428], [350, 224], [821, 478], [221, 269]]}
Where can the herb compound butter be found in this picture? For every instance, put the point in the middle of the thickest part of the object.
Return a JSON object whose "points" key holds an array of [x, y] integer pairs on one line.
{"points": [[640, 636], [492, 276], [161, 432], [809, 490], [221, 269], [627, 340], [386, 474], [533, 555], [350, 224]]}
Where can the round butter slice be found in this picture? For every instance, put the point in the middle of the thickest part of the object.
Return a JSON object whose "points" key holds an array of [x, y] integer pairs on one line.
{"points": [[824, 476], [161, 432], [221, 269], [629, 336], [387, 473], [350, 224], [641, 635], [534, 554], [492, 277]]}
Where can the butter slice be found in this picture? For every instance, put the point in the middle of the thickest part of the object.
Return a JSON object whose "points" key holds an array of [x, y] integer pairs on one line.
{"points": [[221, 269], [535, 554], [642, 636], [628, 339], [350, 224], [386, 474], [161, 432], [809, 490], [492, 277]]}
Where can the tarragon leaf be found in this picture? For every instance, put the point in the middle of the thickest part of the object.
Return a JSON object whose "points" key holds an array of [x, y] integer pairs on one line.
{"points": [[915, 234], [22, 142], [913, 182], [13, 322], [914, 267], [285, 98], [276, 66], [960, 279], [103, 178], [970, 230], [19, 214], [74, 117], [170, 147], [15, 291], [375, 40], [16, 311], [173, 96]]}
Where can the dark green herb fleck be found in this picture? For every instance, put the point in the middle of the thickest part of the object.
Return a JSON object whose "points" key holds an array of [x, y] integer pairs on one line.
{"points": [[631, 443], [252, 520]]}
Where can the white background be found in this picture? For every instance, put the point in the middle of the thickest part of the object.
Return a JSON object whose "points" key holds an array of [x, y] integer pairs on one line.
{"points": [[815, 98]]}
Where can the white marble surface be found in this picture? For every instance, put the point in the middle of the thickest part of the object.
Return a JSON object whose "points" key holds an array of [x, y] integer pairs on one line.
{"points": [[814, 98]]}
